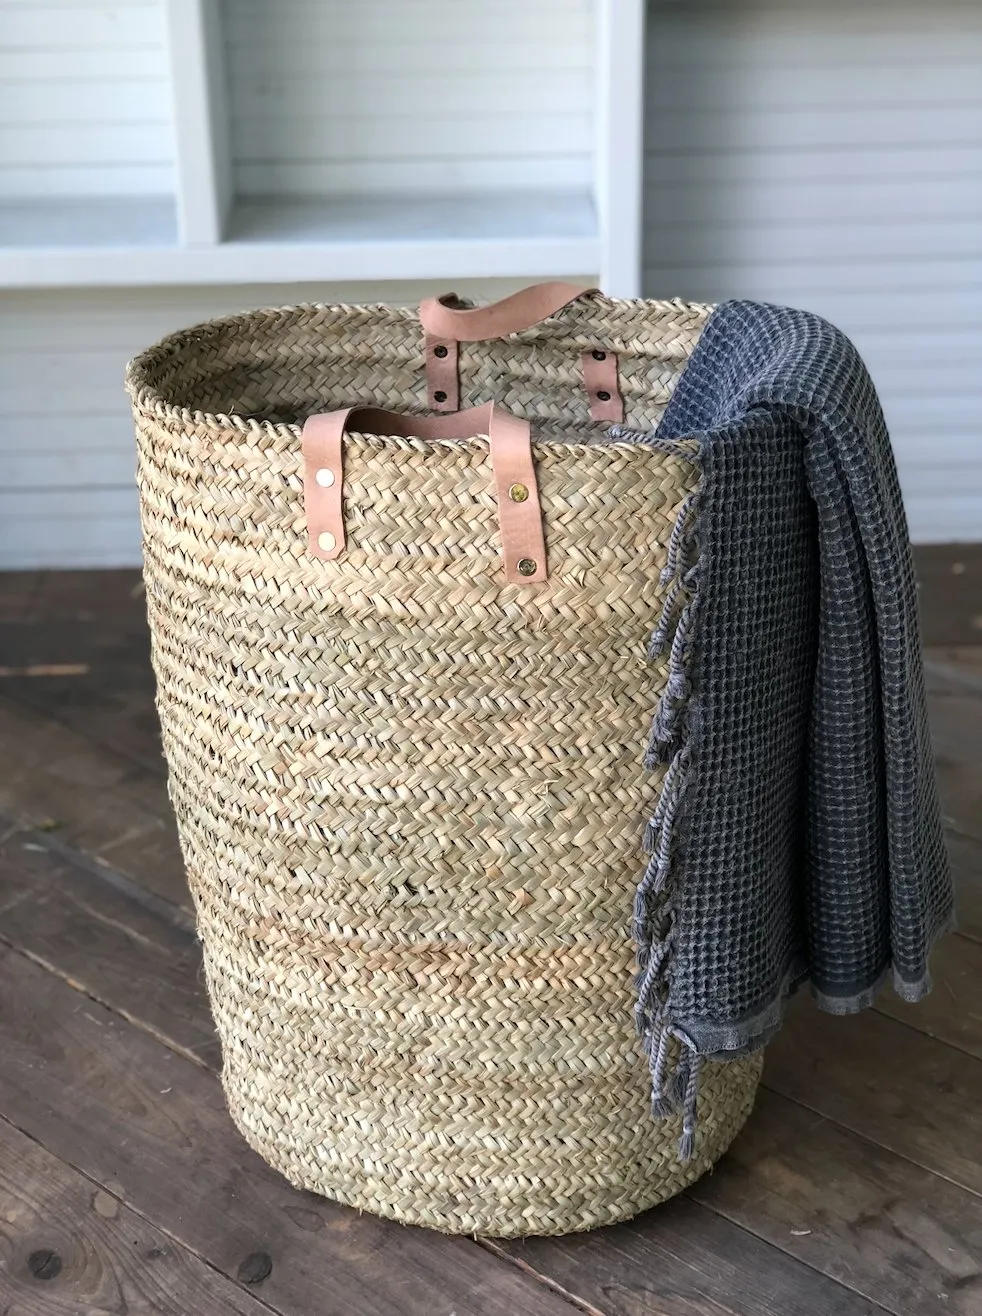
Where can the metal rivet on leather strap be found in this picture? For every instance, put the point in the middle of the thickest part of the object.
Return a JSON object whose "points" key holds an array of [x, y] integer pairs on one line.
{"points": [[323, 477], [602, 388], [518, 493], [527, 567], [442, 384]]}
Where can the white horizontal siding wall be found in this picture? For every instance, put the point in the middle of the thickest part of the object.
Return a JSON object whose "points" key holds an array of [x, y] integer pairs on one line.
{"points": [[829, 156], [84, 99], [67, 452], [820, 154], [410, 96]]}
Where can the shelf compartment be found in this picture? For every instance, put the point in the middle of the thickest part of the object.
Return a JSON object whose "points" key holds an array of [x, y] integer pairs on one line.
{"points": [[330, 142], [86, 224], [424, 237], [307, 239], [86, 134]]}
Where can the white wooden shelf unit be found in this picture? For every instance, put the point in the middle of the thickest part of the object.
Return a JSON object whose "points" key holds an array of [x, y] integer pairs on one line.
{"points": [[232, 141]]}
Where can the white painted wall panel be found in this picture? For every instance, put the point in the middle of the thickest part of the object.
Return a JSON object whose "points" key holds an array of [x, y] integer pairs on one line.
{"points": [[402, 96], [829, 156], [84, 99], [822, 155]]}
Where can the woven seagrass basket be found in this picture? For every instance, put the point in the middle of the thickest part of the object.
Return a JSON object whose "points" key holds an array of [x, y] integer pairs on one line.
{"points": [[410, 790]]}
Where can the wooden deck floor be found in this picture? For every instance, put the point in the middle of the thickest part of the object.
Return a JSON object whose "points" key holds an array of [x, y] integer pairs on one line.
{"points": [[855, 1188]]}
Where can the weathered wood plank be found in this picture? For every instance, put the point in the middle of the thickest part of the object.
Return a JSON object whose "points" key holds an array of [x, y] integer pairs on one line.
{"points": [[903, 1237], [684, 1260], [905, 1091], [18, 589], [121, 952], [965, 853], [67, 1245], [956, 728], [964, 660], [144, 962], [950, 579], [106, 688], [104, 592], [954, 679], [952, 1012], [151, 1127], [101, 802], [96, 619]]}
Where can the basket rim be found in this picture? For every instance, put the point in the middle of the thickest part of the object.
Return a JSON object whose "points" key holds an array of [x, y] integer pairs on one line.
{"points": [[141, 369]]}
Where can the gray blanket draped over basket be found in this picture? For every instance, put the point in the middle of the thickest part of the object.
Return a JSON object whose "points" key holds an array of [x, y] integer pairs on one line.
{"points": [[798, 838]]}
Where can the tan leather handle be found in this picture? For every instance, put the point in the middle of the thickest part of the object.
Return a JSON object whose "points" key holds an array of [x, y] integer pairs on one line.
{"points": [[487, 419], [442, 320], [447, 326], [519, 509]]}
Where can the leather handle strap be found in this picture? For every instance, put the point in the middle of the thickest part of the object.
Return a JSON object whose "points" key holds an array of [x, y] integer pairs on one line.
{"points": [[519, 508], [447, 325], [442, 320]]}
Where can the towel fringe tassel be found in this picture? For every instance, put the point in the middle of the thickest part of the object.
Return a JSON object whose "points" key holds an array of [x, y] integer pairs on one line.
{"points": [[674, 1086]]}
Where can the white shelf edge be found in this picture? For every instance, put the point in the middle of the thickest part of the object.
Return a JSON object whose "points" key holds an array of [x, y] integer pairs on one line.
{"points": [[620, 143], [201, 134], [234, 262]]}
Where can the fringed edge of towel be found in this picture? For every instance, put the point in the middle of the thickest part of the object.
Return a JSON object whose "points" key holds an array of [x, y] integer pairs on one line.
{"points": [[674, 1087]]}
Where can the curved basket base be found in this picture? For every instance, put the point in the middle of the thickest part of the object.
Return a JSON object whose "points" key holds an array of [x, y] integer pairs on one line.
{"points": [[438, 1192]]}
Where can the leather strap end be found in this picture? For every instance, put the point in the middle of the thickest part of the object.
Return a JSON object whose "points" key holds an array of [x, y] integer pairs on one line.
{"points": [[442, 374], [512, 314], [519, 508], [600, 381], [323, 480]]}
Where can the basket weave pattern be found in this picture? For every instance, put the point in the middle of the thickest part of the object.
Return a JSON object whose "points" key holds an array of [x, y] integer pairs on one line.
{"points": [[411, 795]]}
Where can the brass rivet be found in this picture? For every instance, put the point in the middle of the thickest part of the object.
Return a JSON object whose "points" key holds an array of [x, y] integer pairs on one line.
{"points": [[518, 493], [326, 542], [527, 567]]}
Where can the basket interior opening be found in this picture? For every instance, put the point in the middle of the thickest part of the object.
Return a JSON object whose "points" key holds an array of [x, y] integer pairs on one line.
{"points": [[282, 366]]}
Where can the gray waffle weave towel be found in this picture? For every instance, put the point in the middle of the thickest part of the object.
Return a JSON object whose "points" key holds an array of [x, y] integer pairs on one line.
{"points": [[798, 838]]}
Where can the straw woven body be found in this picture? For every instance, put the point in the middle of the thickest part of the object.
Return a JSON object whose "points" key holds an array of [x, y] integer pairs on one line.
{"points": [[410, 795]]}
